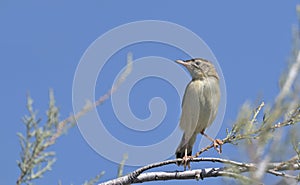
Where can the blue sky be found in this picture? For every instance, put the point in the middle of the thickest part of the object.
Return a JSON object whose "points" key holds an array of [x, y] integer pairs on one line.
{"points": [[42, 42]]}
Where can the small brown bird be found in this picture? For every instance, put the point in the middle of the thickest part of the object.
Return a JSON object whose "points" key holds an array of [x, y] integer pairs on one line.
{"points": [[199, 106]]}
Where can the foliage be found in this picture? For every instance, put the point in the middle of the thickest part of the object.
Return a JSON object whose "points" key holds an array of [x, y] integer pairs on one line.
{"points": [[35, 159], [267, 132]]}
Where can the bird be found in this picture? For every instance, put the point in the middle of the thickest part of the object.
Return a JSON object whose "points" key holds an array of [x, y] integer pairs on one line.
{"points": [[199, 106]]}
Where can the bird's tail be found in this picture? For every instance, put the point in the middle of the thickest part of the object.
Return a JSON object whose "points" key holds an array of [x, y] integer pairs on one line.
{"points": [[186, 143]]}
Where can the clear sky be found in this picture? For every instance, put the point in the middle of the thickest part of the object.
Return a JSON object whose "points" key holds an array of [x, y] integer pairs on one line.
{"points": [[41, 44]]}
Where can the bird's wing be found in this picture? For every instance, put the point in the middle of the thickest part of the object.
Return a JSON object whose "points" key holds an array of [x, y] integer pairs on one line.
{"points": [[210, 108], [190, 110], [215, 101]]}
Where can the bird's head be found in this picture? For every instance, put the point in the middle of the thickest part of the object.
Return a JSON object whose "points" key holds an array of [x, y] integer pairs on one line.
{"points": [[199, 68]]}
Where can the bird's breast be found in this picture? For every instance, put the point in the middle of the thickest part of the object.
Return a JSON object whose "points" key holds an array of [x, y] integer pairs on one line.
{"points": [[200, 104]]}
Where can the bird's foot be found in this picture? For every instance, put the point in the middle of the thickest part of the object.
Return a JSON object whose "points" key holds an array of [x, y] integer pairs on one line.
{"points": [[186, 160], [218, 145]]}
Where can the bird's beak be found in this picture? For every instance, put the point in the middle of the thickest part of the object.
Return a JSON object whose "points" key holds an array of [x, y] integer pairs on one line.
{"points": [[181, 62]]}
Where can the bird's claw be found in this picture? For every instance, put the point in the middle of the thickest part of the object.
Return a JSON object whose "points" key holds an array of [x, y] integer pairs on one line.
{"points": [[218, 145], [186, 162]]}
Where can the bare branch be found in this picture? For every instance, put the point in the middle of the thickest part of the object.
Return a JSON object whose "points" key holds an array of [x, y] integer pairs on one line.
{"points": [[192, 174], [233, 171]]}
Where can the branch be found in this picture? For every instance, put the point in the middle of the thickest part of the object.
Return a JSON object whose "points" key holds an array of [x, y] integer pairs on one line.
{"points": [[192, 174], [233, 137], [290, 80], [234, 171]]}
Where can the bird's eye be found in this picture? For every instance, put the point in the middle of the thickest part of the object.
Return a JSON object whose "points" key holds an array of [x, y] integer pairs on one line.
{"points": [[197, 63]]}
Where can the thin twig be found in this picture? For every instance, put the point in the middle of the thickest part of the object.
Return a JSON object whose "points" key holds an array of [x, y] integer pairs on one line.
{"points": [[290, 80], [204, 150], [258, 109], [88, 107], [122, 164]]}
